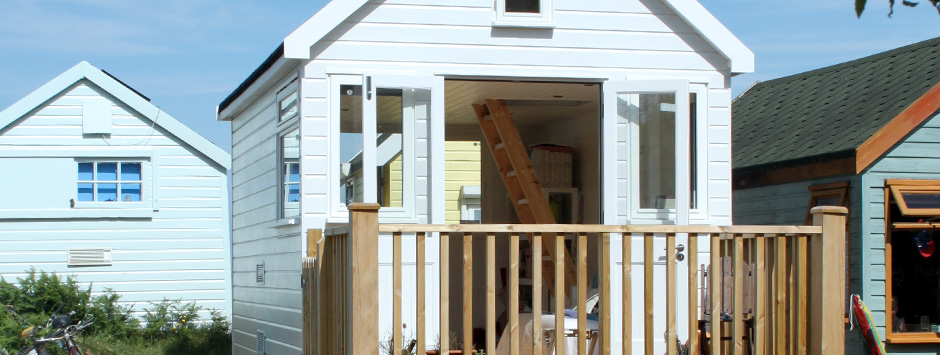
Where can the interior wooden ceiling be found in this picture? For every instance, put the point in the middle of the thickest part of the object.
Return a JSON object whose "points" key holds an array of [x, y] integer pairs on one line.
{"points": [[531, 103]]}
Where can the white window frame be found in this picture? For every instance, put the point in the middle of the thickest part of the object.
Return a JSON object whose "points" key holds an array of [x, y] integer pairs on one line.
{"points": [[700, 212], [285, 125], [281, 170], [407, 213], [680, 88], [522, 19], [287, 90], [146, 186]]}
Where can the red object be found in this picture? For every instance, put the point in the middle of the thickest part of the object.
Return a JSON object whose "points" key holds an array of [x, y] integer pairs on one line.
{"points": [[928, 249]]}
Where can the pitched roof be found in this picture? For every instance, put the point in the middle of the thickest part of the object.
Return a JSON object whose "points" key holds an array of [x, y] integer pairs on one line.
{"points": [[123, 93], [832, 111], [298, 43]]}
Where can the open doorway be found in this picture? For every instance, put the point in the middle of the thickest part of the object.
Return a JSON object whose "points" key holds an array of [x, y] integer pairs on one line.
{"points": [[559, 124]]}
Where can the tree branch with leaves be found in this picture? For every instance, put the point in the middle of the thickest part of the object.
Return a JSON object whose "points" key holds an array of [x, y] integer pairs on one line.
{"points": [[860, 5]]}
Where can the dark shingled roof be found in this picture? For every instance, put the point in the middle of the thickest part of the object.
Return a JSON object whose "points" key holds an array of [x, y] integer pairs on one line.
{"points": [[829, 112]]}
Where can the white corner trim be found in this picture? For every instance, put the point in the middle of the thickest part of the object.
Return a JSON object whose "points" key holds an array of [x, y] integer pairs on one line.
{"points": [[84, 70], [741, 58], [297, 44]]}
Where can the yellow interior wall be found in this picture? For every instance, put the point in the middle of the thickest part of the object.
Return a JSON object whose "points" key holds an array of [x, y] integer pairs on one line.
{"points": [[392, 186], [462, 167]]}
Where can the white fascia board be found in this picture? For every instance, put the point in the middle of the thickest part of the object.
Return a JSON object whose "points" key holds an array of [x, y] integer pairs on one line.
{"points": [[84, 70], [297, 44], [741, 58], [259, 86]]}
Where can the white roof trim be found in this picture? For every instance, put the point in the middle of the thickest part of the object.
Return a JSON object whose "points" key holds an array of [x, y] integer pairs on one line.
{"points": [[84, 70], [297, 44], [741, 58]]}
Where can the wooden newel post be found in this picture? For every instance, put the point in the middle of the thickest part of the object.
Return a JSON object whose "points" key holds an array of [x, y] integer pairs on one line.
{"points": [[826, 329], [362, 293]]}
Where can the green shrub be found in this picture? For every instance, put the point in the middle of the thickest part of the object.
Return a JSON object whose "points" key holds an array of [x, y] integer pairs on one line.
{"points": [[171, 326]]}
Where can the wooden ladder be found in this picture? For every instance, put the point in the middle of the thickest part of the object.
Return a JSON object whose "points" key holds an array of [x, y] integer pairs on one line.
{"points": [[524, 189]]}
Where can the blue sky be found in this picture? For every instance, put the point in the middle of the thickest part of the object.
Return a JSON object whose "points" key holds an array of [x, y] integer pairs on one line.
{"points": [[186, 56]]}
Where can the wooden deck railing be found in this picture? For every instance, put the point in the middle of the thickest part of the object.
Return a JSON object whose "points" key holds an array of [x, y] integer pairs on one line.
{"points": [[796, 296]]}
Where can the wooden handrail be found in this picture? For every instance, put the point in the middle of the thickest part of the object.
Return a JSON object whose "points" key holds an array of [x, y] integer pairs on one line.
{"points": [[785, 285], [595, 228]]}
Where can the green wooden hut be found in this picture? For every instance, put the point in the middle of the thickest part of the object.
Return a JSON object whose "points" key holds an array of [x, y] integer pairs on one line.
{"points": [[864, 134]]}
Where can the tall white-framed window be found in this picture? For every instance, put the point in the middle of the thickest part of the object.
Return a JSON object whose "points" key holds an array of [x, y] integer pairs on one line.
{"points": [[523, 12], [653, 148], [698, 151], [289, 172], [288, 150], [372, 146]]}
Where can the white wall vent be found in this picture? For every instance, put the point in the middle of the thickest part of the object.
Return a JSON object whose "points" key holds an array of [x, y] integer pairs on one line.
{"points": [[261, 342], [89, 257], [260, 273], [96, 117]]}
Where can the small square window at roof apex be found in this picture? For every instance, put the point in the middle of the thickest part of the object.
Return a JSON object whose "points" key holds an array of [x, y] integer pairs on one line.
{"points": [[524, 6]]}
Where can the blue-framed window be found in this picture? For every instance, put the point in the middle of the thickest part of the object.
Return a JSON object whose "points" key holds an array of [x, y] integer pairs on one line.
{"points": [[110, 181]]}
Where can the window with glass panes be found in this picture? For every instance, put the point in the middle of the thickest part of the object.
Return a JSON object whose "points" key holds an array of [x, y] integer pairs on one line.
{"points": [[109, 181]]}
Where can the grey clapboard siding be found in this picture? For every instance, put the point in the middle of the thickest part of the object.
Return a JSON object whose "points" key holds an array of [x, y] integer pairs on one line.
{"points": [[786, 204], [180, 250], [275, 306]]}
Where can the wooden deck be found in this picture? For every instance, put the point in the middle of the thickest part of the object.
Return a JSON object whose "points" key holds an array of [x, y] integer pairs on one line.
{"points": [[795, 306]]}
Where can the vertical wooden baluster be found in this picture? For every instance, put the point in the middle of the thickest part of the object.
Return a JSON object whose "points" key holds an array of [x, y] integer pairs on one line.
{"points": [[780, 255], [467, 293], [514, 293], [626, 261], [770, 333], [604, 320], [648, 336], [760, 295], [670, 293], [714, 275], [490, 293], [559, 294], [582, 293], [396, 292], [420, 262], [538, 338], [445, 292], [792, 314], [693, 293], [802, 280], [738, 308], [604, 294]]}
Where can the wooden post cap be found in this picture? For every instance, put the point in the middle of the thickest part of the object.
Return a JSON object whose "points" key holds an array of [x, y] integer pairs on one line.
{"points": [[363, 207], [829, 210]]}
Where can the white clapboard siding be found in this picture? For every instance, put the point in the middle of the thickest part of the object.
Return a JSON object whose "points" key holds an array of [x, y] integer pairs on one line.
{"points": [[591, 40], [178, 250], [274, 306]]}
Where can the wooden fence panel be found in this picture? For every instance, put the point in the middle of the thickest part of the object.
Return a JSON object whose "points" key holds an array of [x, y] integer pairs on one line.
{"points": [[780, 293]]}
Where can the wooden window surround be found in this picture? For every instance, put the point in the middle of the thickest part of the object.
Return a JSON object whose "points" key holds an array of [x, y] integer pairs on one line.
{"points": [[834, 194], [903, 218]]}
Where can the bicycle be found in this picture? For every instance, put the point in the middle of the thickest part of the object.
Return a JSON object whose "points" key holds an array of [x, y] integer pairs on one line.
{"points": [[63, 336]]}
